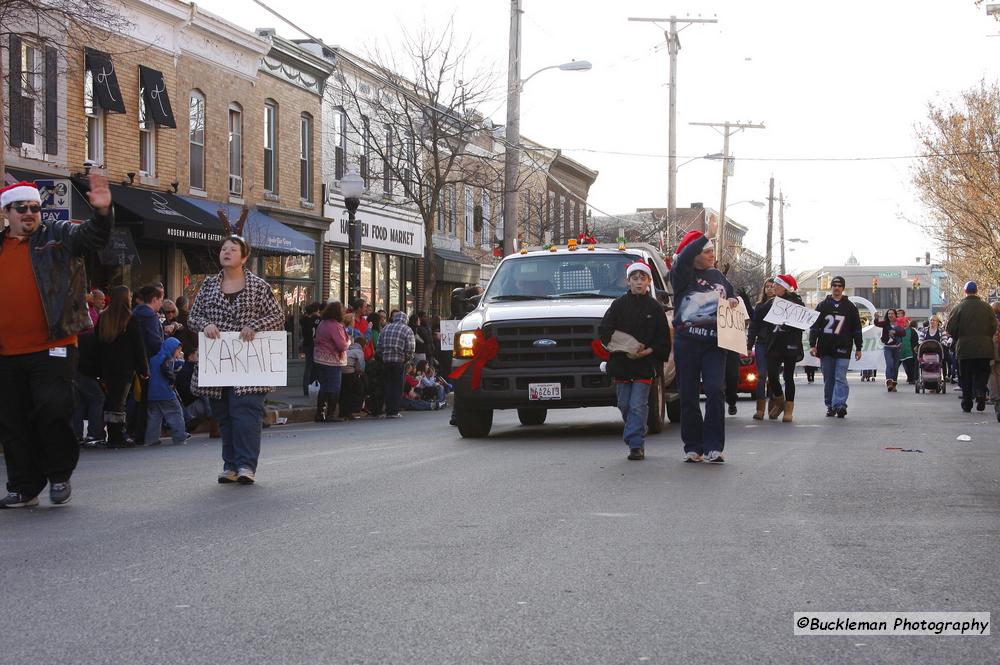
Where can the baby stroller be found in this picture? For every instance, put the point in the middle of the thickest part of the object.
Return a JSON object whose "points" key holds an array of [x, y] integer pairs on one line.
{"points": [[930, 359]]}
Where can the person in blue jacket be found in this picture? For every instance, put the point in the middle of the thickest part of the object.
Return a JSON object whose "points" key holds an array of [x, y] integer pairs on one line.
{"points": [[698, 284], [163, 403]]}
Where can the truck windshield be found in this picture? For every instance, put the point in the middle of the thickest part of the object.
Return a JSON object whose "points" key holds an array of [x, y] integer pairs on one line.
{"points": [[563, 275]]}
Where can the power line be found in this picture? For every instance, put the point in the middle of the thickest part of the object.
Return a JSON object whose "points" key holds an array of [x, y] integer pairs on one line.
{"points": [[868, 158]]}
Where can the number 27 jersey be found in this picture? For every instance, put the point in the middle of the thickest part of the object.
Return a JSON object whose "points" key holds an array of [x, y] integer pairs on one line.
{"points": [[837, 329]]}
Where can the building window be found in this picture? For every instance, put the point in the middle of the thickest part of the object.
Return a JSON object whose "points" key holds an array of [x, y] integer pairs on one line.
{"points": [[487, 236], [452, 205], [470, 217], [409, 184], [95, 121], [235, 150], [31, 91], [340, 142], [883, 298], [918, 298], [387, 162], [196, 139], [305, 157], [147, 137], [366, 147], [270, 147]]}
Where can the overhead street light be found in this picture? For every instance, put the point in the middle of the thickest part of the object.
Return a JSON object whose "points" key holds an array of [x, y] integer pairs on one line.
{"points": [[513, 130]]}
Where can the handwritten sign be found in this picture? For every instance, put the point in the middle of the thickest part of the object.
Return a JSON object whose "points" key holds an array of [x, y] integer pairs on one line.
{"points": [[448, 329], [230, 361], [785, 312], [732, 326]]}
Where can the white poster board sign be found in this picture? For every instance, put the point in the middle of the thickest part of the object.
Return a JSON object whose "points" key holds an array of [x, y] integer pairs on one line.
{"points": [[448, 329], [732, 326], [228, 361], [785, 312]]}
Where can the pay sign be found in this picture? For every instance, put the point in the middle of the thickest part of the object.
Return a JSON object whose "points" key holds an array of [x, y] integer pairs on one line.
{"points": [[56, 206]]}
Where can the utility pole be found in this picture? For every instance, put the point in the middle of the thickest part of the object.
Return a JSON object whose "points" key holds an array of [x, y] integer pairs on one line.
{"points": [[781, 227], [513, 130], [728, 129], [770, 225], [673, 47]]}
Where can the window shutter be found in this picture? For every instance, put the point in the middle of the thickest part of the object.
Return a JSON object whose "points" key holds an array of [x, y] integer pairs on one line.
{"points": [[14, 90], [51, 99]]}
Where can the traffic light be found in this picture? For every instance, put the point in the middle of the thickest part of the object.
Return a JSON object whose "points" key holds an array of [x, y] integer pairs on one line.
{"points": [[874, 284], [916, 283]]}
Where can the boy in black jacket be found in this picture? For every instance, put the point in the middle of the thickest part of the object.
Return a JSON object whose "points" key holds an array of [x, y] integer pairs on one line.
{"points": [[830, 339], [638, 314]]}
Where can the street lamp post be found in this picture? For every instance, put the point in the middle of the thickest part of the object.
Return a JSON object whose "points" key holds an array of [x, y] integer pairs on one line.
{"points": [[513, 127], [352, 187]]}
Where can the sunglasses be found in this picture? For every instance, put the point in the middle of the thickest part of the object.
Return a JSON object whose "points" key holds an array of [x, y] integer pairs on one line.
{"points": [[22, 208]]}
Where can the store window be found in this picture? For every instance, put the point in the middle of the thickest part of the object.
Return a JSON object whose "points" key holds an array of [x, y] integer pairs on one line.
{"points": [[394, 286], [367, 269], [382, 282], [409, 284], [292, 282], [337, 275]]}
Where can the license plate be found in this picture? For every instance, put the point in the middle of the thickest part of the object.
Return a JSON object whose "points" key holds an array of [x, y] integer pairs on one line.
{"points": [[544, 391]]}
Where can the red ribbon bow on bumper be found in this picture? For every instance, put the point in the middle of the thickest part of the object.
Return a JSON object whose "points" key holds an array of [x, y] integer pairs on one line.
{"points": [[485, 351]]}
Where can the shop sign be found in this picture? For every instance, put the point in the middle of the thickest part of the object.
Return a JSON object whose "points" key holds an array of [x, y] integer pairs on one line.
{"points": [[56, 195], [395, 236]]}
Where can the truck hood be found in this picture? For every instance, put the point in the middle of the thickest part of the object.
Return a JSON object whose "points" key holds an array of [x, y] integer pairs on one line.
{"points": [[536, 309]]}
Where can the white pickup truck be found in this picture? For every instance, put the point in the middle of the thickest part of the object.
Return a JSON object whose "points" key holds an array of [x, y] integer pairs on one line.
{"points": [[530, 342]]}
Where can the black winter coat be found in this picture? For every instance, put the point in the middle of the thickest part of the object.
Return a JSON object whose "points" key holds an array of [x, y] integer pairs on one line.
{"points": [[125, 356], [643, 318], [779, 341]]}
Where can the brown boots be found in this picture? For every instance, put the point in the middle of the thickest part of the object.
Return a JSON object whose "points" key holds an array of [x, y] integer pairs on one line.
{"points": [[775, 407], [761, 406], [789, 409]]}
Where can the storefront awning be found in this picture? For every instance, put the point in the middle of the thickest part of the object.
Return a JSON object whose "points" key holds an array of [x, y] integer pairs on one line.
{"points": [[455, 267], [164, 216], [266, 234]]}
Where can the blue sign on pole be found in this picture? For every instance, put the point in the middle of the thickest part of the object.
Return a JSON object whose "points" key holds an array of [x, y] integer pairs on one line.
{"points": [[56, 200]]}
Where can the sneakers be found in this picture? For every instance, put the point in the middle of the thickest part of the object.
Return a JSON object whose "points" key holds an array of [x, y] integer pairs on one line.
{"points": [[227, 476], [394, 415], [245, 476], [830, 412], [59, 492], [715, 457], [16, 500], [841, 412], [692, 457], [637, 453]]}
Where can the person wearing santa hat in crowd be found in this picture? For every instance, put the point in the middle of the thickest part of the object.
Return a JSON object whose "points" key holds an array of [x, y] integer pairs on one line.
{"points": [[43, 306], [638, 314], [698, 286], [782, 349]]}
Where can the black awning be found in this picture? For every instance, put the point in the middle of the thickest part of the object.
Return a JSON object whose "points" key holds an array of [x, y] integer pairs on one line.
{"points": [[154, 93], [455, 267], [165, 216], [109, 95]]}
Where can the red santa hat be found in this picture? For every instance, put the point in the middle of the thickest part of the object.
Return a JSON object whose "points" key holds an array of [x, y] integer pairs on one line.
{"points": [[638, 266], [787, 282], [19, 191], [689, 238]]}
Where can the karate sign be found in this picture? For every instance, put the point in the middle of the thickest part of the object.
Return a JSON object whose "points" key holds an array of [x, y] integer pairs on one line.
{"points": [[229, 361]]}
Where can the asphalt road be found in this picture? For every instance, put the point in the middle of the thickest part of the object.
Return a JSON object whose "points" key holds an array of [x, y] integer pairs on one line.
{"points": [[399, 542]]}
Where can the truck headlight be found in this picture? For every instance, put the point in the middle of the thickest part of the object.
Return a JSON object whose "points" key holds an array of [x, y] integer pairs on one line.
{"points": [[465, 343]]}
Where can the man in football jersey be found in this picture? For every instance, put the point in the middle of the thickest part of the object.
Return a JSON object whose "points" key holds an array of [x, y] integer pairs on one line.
{"points": [[830, 340]]}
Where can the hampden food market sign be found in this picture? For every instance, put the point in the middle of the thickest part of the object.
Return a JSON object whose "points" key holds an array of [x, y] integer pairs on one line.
{"points": [[392, 231]]}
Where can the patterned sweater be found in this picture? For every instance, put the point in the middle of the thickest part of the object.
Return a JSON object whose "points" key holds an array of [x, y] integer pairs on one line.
{"points": [[255, 307]]}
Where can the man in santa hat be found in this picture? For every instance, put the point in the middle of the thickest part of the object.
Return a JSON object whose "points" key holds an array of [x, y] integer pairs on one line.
{"points": [[697, 288], [640, 316], [42, 307]]}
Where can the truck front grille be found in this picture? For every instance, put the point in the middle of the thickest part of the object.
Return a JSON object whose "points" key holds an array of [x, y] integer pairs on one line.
{"points": [[518, 348]]}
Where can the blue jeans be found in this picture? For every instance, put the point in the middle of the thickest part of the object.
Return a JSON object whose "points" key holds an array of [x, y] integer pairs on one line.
{"points": [[761, 362], [415, 404], [329, 379], [393, 387], [633, 402], [701, 364], [835, 388], [200, 408], [241, 419], [90, 406], [160, 411], [891, 363]]}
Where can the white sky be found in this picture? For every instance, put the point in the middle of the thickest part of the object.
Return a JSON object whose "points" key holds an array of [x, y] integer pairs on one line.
{"points": [[830, 80]]}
